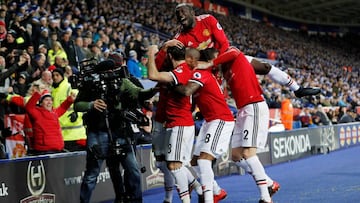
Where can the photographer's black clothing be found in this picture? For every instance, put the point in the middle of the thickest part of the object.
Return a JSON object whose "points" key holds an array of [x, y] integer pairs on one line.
{"points": [[109, 137]]}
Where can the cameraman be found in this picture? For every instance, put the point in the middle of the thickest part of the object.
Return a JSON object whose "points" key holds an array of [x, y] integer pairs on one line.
{"points": [[108, 133]]}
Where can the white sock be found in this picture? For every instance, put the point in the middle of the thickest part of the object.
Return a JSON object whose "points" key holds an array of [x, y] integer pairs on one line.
{"points": [[193, 182], [244, 165], [258, 172], [206, 179], [169, 180], [282, 78], [197, 170], [182, 183], [216, 188]]}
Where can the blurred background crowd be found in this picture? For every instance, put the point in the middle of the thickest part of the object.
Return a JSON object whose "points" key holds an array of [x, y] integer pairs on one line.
{"points": [[40, 36]]}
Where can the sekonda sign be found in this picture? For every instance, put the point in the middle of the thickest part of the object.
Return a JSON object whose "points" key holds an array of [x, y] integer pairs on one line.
{"points": [[290, 145]]}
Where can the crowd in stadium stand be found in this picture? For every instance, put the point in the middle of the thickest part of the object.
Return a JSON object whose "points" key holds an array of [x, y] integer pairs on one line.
{"points": [[44, 35]]}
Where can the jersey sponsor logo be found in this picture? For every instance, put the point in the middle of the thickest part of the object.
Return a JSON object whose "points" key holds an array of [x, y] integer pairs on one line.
{"points": [[218, 26], [190, 44], [206, 33], [206, 44], [197, 75]]}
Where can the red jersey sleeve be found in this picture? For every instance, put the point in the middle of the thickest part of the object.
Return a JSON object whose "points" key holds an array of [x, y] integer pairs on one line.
{"points": [[160, 59], [227, 56], [221, 42]]}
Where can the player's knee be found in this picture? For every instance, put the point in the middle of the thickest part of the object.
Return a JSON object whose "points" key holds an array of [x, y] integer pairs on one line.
{"points": [[235, 156], [260, 68], [193, 161], [173, 165], [248, 152]]}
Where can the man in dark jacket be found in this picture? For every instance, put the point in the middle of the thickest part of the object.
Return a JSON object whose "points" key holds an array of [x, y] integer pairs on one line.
{"points": [[109, 132]]}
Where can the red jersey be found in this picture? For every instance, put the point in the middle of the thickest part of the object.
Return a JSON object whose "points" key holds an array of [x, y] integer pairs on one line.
{"points": [[207, 33], [178, 106], [242, 80], [210, 98]]}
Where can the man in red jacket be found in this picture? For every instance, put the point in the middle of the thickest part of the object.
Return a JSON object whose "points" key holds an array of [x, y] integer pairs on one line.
{"points": [[45, 121]]}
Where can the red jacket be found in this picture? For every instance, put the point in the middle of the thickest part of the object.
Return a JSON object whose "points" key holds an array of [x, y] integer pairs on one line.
{"points": [[46, 126]]}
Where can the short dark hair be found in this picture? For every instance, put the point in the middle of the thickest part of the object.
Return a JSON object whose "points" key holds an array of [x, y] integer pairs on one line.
{"points": [[176, 52]]}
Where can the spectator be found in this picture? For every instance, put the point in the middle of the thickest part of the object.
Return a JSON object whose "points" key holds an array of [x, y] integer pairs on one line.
{"points": [[45, 80], [71, 122], [320, 117], [69, 47], [20, 102], [306, 117], [331, 114], [45, 122], [85, 46], [139, 46], [44, 50], [53, 38], [133, 64], [56, 50], [348, 116], [44, 37], [80, 52], [39, 64], [21, 86], [9, 44], [3, 30], [143, 65]]}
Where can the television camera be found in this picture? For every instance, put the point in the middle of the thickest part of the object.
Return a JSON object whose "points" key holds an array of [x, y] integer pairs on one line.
{"points": [[105, 79]]}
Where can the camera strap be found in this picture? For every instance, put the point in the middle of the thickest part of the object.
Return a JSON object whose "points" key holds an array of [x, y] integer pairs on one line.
{"points": [[108, 126]]}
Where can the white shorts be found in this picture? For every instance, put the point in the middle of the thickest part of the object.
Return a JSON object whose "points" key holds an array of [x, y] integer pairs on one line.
{"points": [[159, 139], [181, 142], [251, 126], [214, 137]]}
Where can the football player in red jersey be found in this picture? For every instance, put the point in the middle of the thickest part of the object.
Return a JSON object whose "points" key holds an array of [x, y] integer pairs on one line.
{"points": [[204, 31], [251, 126], [215, 133], [179, 125]]}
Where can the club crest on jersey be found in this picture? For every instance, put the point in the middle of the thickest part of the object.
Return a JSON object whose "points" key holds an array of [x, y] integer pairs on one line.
{"points": [[179, 70], [219, 26], [206, 32], [197, 75]]}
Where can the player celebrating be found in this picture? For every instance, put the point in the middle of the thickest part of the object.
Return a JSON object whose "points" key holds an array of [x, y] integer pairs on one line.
{"points": [[215, 134], [204, 31], [179, 122]]}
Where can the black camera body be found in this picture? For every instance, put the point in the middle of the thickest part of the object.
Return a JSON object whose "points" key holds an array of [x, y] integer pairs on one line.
{"points": [[104, 80], [101, 78]]}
